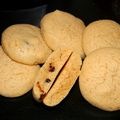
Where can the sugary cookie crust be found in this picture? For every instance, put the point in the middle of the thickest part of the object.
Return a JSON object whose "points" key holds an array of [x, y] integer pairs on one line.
{"points": [[100, 79], [61, 29], [15, 79], [24, 43]]}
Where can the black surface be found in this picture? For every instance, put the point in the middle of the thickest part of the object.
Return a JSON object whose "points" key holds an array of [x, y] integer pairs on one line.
{"points": [[89, 10], [30, 16], [73, 107]]}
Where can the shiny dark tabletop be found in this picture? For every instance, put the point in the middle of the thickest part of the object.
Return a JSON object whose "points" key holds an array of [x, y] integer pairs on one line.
{"points": [[73, 107]]}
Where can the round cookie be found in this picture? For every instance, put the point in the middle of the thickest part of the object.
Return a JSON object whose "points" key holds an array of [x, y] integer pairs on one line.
{"points": [[24, 43], [100, 34], [100, 79], [15, 79], [61, 29]]}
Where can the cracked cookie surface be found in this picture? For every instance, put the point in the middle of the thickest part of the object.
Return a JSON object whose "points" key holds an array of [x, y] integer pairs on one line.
{"points": [[24, 43], [61, 29], [15, 79], [100, 34], [100, 79]]}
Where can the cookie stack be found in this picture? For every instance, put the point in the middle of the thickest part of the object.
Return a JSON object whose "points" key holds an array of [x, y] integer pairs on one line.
{"points": [[22, 50], [25, 47], [59, 46]]}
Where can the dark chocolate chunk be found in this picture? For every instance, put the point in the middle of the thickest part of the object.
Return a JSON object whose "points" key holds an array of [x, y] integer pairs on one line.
{"points": [[51, 68], [47, 80]]}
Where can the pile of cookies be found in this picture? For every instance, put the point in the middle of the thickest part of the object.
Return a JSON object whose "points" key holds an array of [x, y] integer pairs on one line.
{"points": [[59, 46], [24, 49]]}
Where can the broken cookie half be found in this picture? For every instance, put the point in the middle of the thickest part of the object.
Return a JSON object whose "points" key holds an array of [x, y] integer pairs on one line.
{"points": [[57, 76]]}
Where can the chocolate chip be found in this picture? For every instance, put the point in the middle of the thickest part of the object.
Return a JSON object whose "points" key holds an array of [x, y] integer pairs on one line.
{"points": [[51, 68], [47, 80]]}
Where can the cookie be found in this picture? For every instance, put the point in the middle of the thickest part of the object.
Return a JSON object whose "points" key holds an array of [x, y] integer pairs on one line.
{"points": [[100, 34], [49, 71], [100, 79], [61, 29], [24, 43], [15, 79], [64, 82], [57, 76]]}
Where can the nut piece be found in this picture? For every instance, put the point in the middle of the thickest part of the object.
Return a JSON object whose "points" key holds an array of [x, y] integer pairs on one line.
{"points": [[61, 29]]}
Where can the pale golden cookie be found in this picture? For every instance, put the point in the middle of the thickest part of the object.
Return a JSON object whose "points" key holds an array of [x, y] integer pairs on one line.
{"points": [[15, 79], [49, 72], [24, 43], [100, 79], [100, 34], [61, 29], [65, 81]]}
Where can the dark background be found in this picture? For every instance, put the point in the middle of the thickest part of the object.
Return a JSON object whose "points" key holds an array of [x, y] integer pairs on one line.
{"points": [[73, 107], [29, 11]]}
